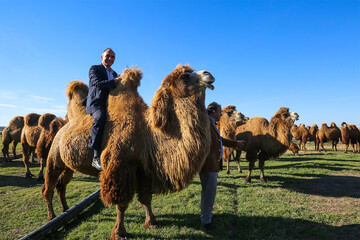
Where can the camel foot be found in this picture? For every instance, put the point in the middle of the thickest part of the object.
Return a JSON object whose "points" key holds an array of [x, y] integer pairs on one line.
{"points": [[264, 180], [227, 172], [40, 179], [51, 217], [151, 226], [117, 237], [247, 180], [240, 171], [29, 175]]}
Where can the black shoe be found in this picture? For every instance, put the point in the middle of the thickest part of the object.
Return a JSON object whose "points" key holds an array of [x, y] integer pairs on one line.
{"points": [[209, 227]]}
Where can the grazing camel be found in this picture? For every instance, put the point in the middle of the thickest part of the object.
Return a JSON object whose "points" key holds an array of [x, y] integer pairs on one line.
{"points": [[12, 134], [312, 133], [146, 150], [266, 140], [350, 135], [229, 121], [50, 125], [325, 134], [300, 133], [29, 137], [294, 148]]}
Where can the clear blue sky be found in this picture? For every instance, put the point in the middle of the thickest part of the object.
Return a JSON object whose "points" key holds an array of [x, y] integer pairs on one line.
{"points": [[304, 55]]}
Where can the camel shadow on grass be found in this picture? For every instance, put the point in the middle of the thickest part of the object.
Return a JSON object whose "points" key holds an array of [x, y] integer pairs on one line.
{"points": [[19, 181], [227, 226]]}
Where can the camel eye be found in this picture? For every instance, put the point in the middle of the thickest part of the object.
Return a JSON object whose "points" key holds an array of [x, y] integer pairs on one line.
{"points": [[185, 77]]}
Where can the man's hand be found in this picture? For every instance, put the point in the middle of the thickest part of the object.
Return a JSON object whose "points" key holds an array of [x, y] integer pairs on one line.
{"points": [[117, 80], [240, 144]]}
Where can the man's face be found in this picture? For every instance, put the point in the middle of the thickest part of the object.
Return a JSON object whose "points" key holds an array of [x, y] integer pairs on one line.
{"points": [[217, 114], [108, 58]]}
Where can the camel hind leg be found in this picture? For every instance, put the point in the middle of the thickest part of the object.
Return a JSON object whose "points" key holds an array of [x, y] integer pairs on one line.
{"points": [[263, 156], [13, 148], [26, 150], [237, 160]]}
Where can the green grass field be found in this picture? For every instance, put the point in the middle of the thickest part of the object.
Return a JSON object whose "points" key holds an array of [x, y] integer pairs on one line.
{"points": [[311, 196]]}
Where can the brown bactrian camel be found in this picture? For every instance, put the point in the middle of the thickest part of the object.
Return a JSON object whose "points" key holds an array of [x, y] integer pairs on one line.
{"points": [[266, 140], [294, 148], [325, 134], [29, 137], [229, 121], [12, 133], [350, 135], [146, 150], [50, 125], [312, 133], [301, 134]]}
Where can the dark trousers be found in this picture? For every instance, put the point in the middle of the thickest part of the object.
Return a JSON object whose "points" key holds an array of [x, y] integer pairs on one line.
{"points": [[97, 129]]}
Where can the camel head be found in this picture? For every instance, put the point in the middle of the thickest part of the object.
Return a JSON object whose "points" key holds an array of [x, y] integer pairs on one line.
{"points": [[130, 80], [282, 118], [234, 116], [343, 125], [333, 125], [181, 84]]}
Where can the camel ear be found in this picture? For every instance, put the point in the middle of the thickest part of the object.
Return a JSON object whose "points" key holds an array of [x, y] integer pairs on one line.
{"points": [[161, 109]]}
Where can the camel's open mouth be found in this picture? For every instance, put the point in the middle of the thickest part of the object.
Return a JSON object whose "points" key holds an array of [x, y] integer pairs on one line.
{"points": [[210, 86], [206, 79]]}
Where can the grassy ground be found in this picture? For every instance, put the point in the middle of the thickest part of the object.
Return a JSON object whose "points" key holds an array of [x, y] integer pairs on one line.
{"points": [[311, 196]]}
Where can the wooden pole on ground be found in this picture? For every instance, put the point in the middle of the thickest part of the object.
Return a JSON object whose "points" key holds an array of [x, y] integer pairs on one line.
{"points": [[62, 219]]}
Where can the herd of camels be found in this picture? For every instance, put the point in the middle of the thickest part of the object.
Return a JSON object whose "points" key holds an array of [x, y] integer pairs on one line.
{"points": [[154, 149]]}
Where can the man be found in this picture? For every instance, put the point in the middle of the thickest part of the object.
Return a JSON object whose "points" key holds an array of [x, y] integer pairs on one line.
{"points": [[101, 80], [213, 163]]}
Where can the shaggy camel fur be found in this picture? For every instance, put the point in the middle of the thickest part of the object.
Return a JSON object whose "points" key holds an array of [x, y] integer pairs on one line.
{"points": [[294, 148], [325, 134], [29, 138], [312, 133], [146, 150], [12, 133], [229, 121], [350, 135], [266, 140], [300, 133], [50, 125]]}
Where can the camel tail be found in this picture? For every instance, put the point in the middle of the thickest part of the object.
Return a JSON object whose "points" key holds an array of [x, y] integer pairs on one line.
{"points": [[118, 184]]}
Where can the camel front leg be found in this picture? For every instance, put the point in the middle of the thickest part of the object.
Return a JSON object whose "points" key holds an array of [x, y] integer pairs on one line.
{"points": [[119, 231], [346, 148], [41, 172], [251, 157], [5, 151], [63, 181]]}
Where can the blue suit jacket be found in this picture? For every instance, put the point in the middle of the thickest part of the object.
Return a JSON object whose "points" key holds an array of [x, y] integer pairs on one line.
{"points": [[99, 88]]}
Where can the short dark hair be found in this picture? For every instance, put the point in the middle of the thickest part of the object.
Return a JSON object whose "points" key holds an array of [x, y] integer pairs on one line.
{"points": [[107, 50], [213, 107]]}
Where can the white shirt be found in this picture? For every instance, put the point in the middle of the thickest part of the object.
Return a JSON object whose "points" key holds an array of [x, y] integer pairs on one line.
{"points": [[109, 73]]}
